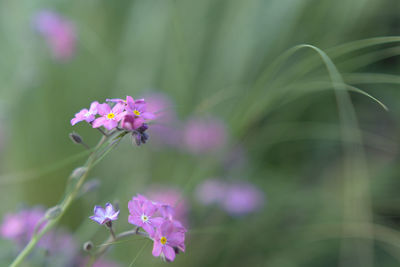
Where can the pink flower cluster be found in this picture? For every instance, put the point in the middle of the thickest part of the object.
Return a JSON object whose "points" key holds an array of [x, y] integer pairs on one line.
{"points": [[158, 220], [124, 114]]}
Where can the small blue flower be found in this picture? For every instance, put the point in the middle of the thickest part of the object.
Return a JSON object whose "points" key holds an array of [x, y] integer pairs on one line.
{"points": [[102, 216]]}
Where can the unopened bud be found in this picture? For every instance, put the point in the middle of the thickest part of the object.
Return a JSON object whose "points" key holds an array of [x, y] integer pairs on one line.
{"points": [[76, 138], [88, 246]]}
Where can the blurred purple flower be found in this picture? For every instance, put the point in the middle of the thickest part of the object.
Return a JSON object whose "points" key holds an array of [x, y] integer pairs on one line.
{"points": [[211, 191], [59, 33], [173, 198], [242, 198], [235, 198], [204, 135], [102, 216], [20, 226]]}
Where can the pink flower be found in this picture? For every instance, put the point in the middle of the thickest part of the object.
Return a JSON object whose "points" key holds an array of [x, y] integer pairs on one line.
{"points": [[138, 109], [173, 205], [60, 33], [20, 226], [102, 216], [142, 213], [86, 115], [204, 135], [109, 117], [167, 238]]}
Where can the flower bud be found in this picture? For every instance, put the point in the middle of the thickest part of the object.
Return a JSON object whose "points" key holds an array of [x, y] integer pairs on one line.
{"points": [[131, 123], [88, 246], [76, 138]]}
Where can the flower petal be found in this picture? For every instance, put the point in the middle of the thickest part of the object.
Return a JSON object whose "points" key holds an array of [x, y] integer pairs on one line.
{"points": [[103, 109], [169, 253], [157, 247]]}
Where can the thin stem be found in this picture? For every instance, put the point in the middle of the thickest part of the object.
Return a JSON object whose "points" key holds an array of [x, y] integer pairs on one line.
{"points": [[110, 241], [97, 154]]}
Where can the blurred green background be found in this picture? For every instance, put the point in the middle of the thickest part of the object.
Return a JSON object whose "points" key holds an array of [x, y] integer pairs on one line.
{"points": [[328, 167]]}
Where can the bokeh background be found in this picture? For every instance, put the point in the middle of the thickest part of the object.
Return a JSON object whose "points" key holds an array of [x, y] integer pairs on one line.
{"points": [[273, 162]]}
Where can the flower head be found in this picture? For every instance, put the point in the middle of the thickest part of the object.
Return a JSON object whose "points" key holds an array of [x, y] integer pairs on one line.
{"points": [[167, 239], [137, 108], [102, 216], [86, 115], [142, 213], [109, 117]]}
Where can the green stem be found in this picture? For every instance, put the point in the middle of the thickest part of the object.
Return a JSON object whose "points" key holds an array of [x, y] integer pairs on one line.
{"points": [[110, 241], [98, 153]]}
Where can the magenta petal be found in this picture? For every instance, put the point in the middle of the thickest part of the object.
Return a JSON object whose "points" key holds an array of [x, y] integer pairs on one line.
{"points": [[169, 253], [148, 116], [157, 221], [130, 101], [98, 122], [148, 228], [135, 220], [157, 247], [149, 208], [103, 109], [74, 121], [118, 108], [110, 124], [93, 107], [166, 228]]}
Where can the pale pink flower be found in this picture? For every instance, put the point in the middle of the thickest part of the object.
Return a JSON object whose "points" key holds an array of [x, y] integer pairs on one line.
{"points": [[109, 117], [85, 114]]}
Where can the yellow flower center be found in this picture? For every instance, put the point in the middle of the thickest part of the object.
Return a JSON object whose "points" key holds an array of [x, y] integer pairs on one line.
{"points": [[163, 240], [110, 115], [136, 112]]}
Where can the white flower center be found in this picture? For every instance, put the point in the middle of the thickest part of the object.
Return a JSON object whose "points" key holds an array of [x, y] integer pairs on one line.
{"points": [[88, 114], [144, 218]]}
